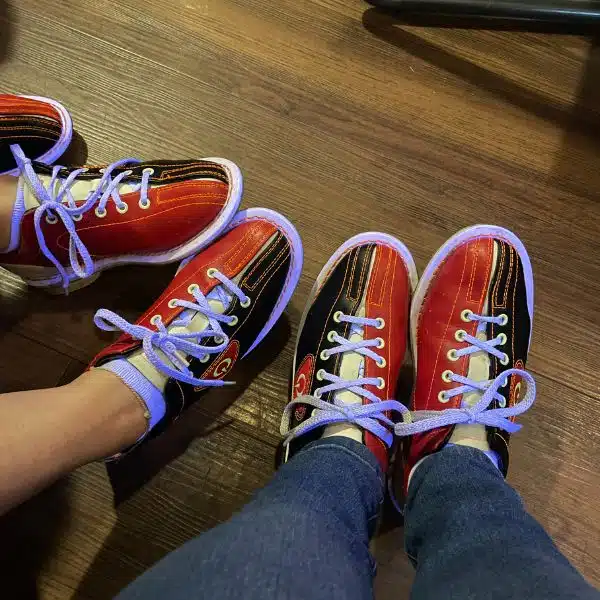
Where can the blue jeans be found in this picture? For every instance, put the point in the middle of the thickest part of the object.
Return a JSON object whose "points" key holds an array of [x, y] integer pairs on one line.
{"points": [[306, 536]]}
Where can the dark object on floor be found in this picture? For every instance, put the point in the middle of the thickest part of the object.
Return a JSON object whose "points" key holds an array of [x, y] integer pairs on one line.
{"points": [[557, 11]]}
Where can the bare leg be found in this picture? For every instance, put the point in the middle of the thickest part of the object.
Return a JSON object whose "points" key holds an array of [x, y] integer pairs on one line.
{"points": [[8, 193], [45, 434]]}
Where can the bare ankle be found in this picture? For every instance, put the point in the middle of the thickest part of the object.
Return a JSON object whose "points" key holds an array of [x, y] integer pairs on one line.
{"points": [[117, 412]]}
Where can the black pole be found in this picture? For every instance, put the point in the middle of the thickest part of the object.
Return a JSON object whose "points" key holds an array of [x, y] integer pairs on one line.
{"points": [[576, 12]]}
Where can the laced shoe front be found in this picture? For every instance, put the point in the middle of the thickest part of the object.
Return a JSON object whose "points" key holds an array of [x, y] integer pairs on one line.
{"points": [[69, 224]]}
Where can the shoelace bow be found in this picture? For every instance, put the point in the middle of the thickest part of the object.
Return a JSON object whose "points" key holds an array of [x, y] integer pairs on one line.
{"points": [[371, 417], [176, 346], [53, 206], [368, 416]]}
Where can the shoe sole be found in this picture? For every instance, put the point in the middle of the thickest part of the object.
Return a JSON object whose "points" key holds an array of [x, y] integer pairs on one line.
{"points": [[296, 261], [370, 237], [465, 235], [65, 138], [53, 285]]}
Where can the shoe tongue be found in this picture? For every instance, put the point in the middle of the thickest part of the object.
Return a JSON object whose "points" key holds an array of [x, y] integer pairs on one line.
{"points": [[352, 365], [479, 367], [218, 299]]}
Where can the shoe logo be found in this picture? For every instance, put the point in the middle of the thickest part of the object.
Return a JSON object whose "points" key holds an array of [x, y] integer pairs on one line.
{"points": [[515, 387], [302, 384], [222, 364]]}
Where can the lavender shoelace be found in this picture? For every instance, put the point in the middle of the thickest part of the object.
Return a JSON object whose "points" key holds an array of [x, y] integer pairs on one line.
{"points": [[57, 202], [480, 413], [176, 346], [371, 418], [424, 420], [367, 416]]}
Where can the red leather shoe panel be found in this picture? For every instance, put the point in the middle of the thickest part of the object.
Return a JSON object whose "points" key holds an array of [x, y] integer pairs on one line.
{"points": [[177, 213], [388, 297], [230, 254], [461, 282], [11, 105]]}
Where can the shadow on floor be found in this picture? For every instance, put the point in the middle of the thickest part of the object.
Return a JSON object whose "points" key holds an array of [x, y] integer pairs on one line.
{"points": [[577, 165], [77, 152], [5, 30], [29, 535]]}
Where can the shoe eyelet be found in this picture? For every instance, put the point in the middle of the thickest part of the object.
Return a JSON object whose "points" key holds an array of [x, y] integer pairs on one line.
{"points": [[502, 339], [380, 323], [219, 339], [155, 320], [172, 303], [503, 319], [446, 375], [505, 382], [460, 334], [211, 273], [148, 170], [246, 303], [77, 218], [100, 213], [443, 397], [452, 355], [233, 322], [192, 289], [505, 360], [381, 362], [320, 374], [502, 403], [102, 170], [331, 336], [205, 358], [380, 383], [466, 315], [380, 343], [317, 393], [145, 205], [123, 208], [51, 219], [337, 316], [324, 355]]}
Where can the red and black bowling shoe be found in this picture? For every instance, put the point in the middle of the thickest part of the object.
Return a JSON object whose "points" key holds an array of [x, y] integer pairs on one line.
{"points": [[221, 304], [351, 345], [470, 327]]}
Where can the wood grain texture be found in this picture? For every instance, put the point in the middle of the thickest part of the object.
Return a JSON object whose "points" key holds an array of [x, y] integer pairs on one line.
{"points": [[344, 120]]}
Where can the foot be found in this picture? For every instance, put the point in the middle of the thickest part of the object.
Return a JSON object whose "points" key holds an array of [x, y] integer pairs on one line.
{"points": [[470, 331], [351, 345], [69, 224], [218, 308], [42, 127]]}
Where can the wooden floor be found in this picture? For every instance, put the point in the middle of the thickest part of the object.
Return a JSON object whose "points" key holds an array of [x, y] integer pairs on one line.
{"points": [[344, 120]]}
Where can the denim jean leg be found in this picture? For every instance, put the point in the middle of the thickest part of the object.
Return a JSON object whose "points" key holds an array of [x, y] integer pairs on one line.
{"points": [[305, 535], [471, 538]]}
